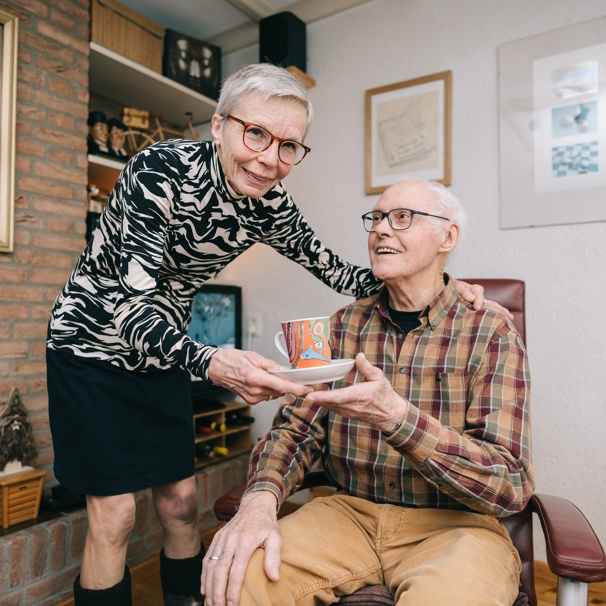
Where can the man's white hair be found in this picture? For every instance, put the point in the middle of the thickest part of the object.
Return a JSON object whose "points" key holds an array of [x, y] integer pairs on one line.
{"points": [[445, 203]]}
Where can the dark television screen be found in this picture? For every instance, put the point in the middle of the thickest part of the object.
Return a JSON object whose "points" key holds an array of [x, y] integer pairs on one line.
{"points": [[216, 319]]}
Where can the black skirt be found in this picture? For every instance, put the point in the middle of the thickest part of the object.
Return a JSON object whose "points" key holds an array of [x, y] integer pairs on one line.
{"points": [[117, 431]]}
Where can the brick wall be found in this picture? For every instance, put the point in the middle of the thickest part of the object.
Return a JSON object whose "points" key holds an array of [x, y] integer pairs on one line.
{"points": [[38, 565], [50, 193]]}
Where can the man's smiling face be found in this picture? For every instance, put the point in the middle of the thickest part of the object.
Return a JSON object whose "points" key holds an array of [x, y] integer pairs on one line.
{"points": [[396, 254]]}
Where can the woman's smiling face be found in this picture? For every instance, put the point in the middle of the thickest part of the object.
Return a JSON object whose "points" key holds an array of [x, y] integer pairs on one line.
{"points": [[248, 172]]}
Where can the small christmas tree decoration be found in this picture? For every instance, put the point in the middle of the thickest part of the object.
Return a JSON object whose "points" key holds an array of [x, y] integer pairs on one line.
{"points": [[16, 436]]}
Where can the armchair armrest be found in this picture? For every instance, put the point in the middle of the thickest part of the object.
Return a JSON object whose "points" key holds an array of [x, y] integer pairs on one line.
{"points": [[227, 505], [573, 549]]}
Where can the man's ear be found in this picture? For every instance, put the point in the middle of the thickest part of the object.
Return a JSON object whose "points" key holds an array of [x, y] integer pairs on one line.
{"points": [[452, 238]]}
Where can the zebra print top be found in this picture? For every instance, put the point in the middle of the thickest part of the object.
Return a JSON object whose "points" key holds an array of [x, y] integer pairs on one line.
{"points": [[171, 223]]}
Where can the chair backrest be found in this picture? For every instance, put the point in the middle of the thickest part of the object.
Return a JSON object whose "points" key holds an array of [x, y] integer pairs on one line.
{"points": [[511, 294]]}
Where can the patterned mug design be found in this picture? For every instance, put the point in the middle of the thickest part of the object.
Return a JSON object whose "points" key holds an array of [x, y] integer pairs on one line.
{"points": [[305, 342]]}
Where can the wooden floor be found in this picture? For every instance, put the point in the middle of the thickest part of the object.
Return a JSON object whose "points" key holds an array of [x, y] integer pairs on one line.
{"points": [[147, 590], [546, 584]]}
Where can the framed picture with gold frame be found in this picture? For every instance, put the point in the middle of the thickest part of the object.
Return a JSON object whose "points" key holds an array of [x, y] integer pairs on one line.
{"points": [[408, 131], [8, 101]]}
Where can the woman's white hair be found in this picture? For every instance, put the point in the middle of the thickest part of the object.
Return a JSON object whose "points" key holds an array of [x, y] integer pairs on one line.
{"points": [[266, 79]]}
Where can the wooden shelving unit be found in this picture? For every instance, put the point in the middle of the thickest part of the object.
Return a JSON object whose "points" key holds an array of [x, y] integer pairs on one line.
{"points": [[229, 439], [103, 172], [130, 84]]}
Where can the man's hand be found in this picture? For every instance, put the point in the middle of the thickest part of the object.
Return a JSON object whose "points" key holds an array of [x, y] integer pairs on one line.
{"points": [[245, 373], [374, 401], [255, 525], [474, 293]]}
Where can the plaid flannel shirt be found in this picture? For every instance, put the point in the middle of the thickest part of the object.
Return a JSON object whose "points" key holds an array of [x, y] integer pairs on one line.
{"points": [[465, 442]]}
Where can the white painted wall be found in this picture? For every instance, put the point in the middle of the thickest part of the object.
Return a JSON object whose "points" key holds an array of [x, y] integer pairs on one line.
{"points": [[387, 41]]}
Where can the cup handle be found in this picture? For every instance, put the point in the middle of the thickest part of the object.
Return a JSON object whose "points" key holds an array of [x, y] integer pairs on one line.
{"points": [[281, 345]]}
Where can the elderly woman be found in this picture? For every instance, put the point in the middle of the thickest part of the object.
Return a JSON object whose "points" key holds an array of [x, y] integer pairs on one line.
{"points": [[119, 359]]}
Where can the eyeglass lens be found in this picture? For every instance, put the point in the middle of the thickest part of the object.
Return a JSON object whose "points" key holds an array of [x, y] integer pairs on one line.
{"points": [[399, 218], [258, 139]]}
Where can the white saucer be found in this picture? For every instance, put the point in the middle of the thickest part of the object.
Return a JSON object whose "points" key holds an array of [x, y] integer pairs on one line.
{"points": [[334, 371]]}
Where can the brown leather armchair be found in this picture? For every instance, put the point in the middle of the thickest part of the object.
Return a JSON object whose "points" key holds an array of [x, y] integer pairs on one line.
{"points": [[574, 552]]}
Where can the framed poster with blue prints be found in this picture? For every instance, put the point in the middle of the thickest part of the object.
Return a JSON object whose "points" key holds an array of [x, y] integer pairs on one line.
{"points": [[552, 127]]}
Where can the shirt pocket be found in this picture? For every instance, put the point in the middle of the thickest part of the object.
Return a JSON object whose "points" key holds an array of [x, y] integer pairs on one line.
{"points": [[443, 395]]}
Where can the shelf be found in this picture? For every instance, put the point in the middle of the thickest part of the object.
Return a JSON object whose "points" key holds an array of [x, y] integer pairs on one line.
{"points": [[131, 84], [228, 406], [103, 172], [237, 439], [307, 81]]}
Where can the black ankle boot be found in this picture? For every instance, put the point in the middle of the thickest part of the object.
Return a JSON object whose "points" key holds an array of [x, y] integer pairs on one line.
{"points": [[181, 580], [118, 595]]}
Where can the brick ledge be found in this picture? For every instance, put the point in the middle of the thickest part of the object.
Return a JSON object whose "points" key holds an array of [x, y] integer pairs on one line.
{"points": [[40, 563]]}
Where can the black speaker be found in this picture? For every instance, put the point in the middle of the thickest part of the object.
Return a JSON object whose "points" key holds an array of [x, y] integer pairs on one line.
{"points": [[282, 40]]}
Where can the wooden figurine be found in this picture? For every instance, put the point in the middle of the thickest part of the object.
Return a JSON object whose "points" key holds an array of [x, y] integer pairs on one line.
{"points": [[97, 133], [117, 138]]}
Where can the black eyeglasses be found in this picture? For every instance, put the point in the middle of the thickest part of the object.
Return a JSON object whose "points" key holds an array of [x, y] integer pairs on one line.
{"points": [[398, 218], [257, 139]]}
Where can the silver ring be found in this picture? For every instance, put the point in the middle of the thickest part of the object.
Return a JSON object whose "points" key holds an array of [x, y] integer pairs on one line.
{"points": [[215, 558]]}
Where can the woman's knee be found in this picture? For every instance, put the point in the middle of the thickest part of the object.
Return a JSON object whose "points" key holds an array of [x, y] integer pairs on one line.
{"points": [[178, 501], [111, 519]]}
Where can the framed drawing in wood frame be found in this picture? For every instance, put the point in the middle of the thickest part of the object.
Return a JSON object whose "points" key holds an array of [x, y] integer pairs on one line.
{"points": [[8, 101], [408, 131], [552, 127]]}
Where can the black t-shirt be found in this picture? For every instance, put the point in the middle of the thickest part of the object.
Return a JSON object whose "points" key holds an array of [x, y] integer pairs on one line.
{"points": [[406, 320]]}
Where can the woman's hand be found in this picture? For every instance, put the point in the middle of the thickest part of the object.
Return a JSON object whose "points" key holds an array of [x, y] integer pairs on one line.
{"points": [[474, 293], [245, 373], [255, 525]]}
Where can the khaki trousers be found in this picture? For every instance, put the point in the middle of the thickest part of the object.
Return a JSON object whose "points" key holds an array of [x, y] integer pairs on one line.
{"points": [[427, 557]]}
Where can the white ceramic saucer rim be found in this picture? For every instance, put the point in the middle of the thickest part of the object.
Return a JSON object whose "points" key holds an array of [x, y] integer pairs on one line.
{"points": [[323, 374]]}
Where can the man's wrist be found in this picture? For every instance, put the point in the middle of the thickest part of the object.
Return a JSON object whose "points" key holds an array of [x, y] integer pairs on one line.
{"points": [[394, 425], [263, 495], [393, 428]]}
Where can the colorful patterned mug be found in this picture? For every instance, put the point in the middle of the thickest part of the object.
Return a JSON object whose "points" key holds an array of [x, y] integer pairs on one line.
{"points": [[305, 342]]}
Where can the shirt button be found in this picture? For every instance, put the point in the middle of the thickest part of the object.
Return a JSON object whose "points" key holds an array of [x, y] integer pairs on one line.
{"points": [[402, 371], [392, 485], [400, 336]]}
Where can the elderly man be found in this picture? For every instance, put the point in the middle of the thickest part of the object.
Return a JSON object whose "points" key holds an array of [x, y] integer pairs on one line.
{"points": [[427, 439]]}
